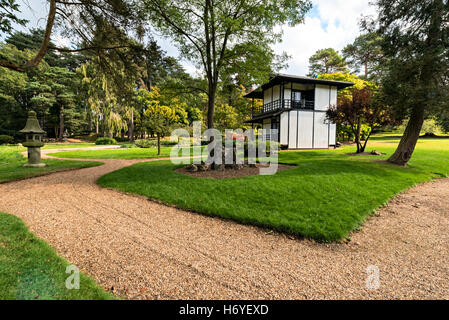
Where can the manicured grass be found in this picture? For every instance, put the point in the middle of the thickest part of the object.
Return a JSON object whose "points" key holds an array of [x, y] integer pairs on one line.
{"points": [[125, 153], [326, 197], [68, 145], [12, 161], [31, 270]]}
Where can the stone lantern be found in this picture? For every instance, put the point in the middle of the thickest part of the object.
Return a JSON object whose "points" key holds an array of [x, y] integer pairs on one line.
{"points": [[64, 136], [33, 141]]}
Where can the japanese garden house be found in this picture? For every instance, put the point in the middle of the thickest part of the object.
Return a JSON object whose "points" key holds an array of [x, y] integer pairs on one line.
{"points": [[296, 107]]}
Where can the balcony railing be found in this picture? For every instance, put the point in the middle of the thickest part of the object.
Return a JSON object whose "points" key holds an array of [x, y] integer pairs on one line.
{"points": [[288, 104]]}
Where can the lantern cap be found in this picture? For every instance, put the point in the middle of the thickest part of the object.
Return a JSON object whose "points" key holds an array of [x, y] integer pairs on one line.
{"points": [[32, 125]]}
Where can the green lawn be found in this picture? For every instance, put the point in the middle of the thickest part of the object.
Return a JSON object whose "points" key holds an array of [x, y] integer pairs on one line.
{"points": [[68, 145], [12, 161], [326, 197], [125, 153], [30, 269]]}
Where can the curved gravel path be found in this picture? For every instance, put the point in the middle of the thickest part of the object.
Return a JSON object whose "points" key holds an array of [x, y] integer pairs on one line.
{"points": [[140, 249]]}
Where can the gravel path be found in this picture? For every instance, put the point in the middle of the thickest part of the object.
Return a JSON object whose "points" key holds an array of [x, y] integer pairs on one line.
{"points": [[140, 249]]}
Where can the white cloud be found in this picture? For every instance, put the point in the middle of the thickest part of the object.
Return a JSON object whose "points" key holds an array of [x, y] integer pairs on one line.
{"points": [[332, 24]]}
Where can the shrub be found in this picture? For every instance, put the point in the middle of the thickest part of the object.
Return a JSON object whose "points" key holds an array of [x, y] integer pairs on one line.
{"points": [[128, 146], [146, 143], [168, 143], [5, 139], [105, 141], [150, 143]]}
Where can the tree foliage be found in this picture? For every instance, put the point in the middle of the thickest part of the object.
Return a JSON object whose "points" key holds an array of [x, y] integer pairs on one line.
{"points": [[347, 77], [89, 23], [358, 110], [159, 119], [8, 15], [416, 45], [326, 61], [366, 52], [216, 34]]}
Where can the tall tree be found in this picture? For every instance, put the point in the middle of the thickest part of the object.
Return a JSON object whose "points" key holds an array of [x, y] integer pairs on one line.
{"points": [[33, 40], [8, 15], [326, 61], [365, 51], [83, 21], [12, 88], [210, 33], [416, 42]]}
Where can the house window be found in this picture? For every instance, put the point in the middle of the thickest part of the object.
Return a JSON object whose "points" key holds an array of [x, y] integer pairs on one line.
{"points": [[303, 99], [296, 96]]}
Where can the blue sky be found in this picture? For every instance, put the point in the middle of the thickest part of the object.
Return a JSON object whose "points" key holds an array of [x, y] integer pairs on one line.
{"points": [[330, 23]]}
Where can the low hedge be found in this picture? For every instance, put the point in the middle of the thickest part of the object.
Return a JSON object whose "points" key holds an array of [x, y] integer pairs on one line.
{"points": [[5, 139], [152, 143], [105, 141]]}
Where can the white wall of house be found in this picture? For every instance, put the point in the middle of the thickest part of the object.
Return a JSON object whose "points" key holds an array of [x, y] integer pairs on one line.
{"points": [[272, 94], [322, 97], [304, 129], [321, 131], [332, 134], [293, 130], [333, 96], [276, 93], [287, 92], [267, 96], [284, 123]]}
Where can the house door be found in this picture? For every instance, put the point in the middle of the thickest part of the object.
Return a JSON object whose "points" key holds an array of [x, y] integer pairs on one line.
{"points": [[296, 99], [296, 95]]}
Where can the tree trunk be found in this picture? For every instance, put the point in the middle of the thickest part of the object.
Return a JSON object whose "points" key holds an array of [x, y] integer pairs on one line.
{"points": [[211, 104], [210, 116], [357, 135], [89, 119], [158, 145], [131, 127], [97, 127], [408, 141], [61, 123], [366, 140]]}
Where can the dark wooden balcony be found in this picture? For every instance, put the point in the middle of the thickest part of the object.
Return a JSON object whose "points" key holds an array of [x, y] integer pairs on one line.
{"points": [[286, 104]]}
